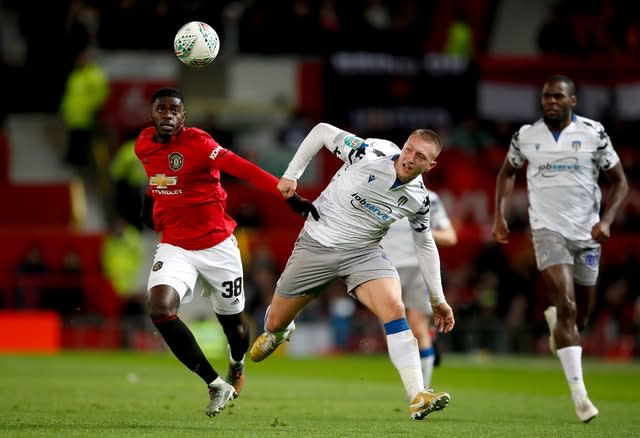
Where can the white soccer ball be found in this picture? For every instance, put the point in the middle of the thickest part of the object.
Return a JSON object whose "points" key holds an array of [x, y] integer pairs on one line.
{"points": [[196, 44]]}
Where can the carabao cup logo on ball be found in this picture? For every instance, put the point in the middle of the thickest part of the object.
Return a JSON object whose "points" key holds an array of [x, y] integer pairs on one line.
{"points": [[196, 44]]}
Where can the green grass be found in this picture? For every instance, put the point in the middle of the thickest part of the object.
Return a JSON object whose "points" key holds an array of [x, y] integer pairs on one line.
{"points": [[152, 395]]}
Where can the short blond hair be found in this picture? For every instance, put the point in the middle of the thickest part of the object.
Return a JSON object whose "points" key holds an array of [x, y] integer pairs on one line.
{"points": [[430, 136]]}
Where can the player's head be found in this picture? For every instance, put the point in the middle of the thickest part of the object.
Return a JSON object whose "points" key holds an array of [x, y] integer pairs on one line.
{"points": [[167, 112], [558, 101], [418, 154]]}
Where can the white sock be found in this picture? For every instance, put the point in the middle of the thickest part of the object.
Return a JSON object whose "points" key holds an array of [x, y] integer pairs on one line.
{"points": [[571, 360], [403, 352], [427, 369]]}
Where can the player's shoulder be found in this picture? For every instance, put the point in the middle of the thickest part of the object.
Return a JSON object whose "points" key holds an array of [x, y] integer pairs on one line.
{"points": [[529, 129], [194, 133], [146, 133], [379, 147], [201, 142], [532, 127], [587, 124], [144, 138], [418, 188]]}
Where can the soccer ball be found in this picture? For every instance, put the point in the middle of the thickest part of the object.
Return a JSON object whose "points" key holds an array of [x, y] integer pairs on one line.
{"points": [[196, 44]]}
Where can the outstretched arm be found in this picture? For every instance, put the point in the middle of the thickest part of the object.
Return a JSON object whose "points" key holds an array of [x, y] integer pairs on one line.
{"points": [[263, 180], [320, 135], [241, 168]]}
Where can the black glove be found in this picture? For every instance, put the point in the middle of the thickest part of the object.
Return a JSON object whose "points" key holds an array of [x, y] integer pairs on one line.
{"points": [[302, 206], [147, 212]]}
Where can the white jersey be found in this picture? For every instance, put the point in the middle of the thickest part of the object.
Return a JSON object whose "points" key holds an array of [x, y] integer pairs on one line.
{"points": [[562, 174], [365, 197], [398, 243]]}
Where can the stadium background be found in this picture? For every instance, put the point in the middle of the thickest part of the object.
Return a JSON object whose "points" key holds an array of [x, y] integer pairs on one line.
{"points": [[380, 68]]}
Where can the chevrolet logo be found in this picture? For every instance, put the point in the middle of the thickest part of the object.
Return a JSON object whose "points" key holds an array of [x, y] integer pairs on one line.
{"points": [[162, 181]]}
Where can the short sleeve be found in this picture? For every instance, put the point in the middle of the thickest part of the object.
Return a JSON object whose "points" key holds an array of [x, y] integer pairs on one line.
{"points": [[514, 155], [606, 157]]}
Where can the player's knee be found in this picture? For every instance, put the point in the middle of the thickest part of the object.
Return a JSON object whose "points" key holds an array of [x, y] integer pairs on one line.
{"points": [[162, 302], [159, 313], [395, 310], [159, 309]]}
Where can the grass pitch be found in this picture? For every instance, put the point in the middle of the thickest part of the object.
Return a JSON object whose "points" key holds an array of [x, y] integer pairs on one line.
{"points": [[153, 395]]}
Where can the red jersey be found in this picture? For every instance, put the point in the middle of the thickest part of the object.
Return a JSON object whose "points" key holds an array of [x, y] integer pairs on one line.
{"points": [[184, 181]]}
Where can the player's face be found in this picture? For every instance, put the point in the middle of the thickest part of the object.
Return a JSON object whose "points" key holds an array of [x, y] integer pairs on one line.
{"points": [[167, 114], [416, 157], [557, 104]]}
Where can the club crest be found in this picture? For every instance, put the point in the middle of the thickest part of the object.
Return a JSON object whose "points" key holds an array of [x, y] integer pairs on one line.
{"points": [[176, 160], [157, 266]]}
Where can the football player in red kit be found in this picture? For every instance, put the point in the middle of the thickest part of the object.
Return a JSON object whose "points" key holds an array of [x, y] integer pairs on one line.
{"points": [[197, 252]]}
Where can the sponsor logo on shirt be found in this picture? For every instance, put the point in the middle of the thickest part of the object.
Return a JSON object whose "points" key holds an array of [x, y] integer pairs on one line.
{"points": [[215, 152], [552, 169], [380, 212], [162, 181], [176, 160]]}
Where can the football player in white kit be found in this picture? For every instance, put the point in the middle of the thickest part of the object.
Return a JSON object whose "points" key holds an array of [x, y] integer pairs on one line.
{"points": [[377, 185], [566, 153], [399, 246]]}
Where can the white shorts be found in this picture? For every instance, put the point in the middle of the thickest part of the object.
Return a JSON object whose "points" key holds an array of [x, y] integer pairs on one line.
{"points": [[215, 272]]}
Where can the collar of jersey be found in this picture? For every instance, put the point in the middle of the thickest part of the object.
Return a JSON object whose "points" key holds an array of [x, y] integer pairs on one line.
{"points": [[397, 182], [556, 134], [175, 135]]}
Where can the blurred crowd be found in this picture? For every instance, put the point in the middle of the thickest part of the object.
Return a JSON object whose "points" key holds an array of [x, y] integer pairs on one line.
{"points": [[498, 304], [593, 27]]}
